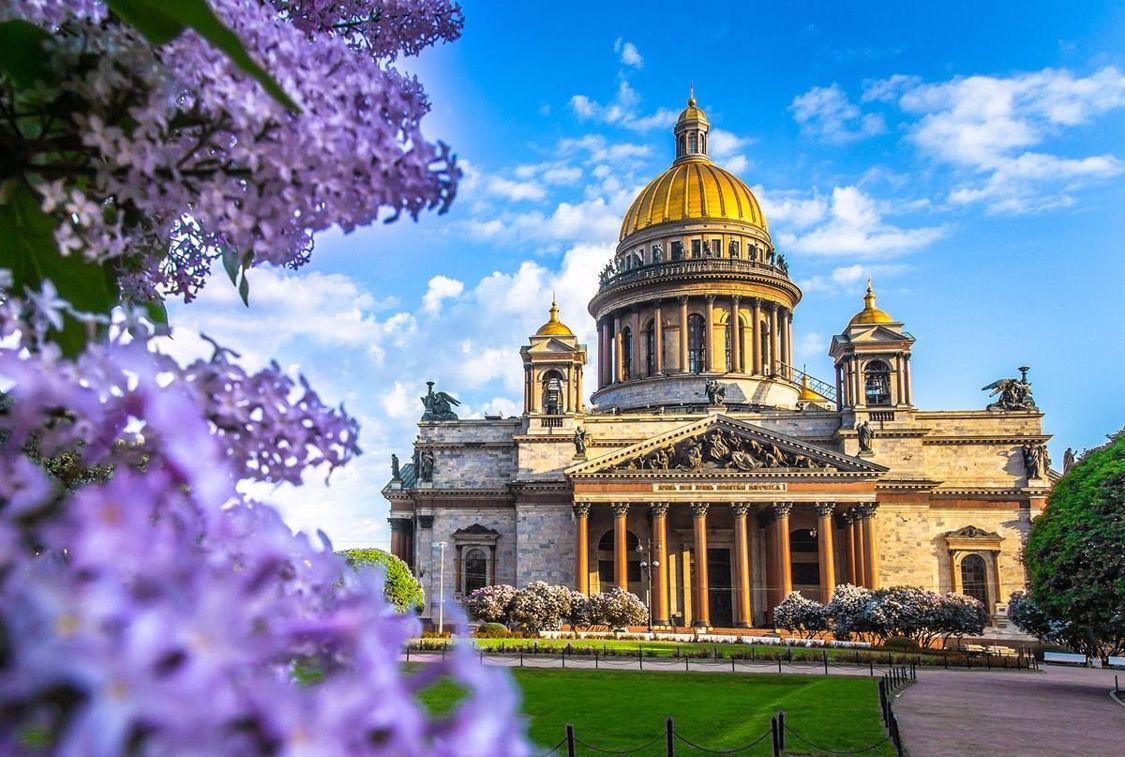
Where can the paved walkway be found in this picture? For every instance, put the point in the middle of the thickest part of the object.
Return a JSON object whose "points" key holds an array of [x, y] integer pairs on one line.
{"points": [[1060, 711]]}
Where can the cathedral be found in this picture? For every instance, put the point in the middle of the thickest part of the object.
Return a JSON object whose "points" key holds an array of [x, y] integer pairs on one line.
{"points": [[706, 473]]}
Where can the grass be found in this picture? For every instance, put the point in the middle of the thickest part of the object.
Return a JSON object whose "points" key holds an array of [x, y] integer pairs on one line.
{"points": [[624, 709]]}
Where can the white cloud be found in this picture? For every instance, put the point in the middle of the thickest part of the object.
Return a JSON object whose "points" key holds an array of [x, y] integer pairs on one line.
{"points": [[725, 148], [440, 288], [849, 278], [853, 225], [790, 209], [622, 110], [515, 190], [828, 114], [630, 56], [994, 128]]}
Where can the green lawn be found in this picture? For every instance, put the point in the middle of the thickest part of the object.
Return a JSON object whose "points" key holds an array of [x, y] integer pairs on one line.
{"points": [[623, 709]]}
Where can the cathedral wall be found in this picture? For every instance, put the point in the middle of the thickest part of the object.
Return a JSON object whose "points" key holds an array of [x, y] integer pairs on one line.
{"points": [[448, 520], [545, 542], [473, 468], [913, 549]]}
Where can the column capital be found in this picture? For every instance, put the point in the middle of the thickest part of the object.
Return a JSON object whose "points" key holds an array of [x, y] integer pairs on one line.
{"points": [[740, 508], [867, 509], [710, 298], [736, 298], [683, 299], [659, 509], [782, 509], [581, 509], [620, 509], [699, 509], [824, 509], [658, 302]]}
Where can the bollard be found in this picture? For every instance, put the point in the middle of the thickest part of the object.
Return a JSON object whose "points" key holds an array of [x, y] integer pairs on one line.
{"points": [[988, 659], [781, 729], [640, 660], [408, 653], [779, 663], [570, 752], [595, 659], [775, 738], [732, 663], [521, 658], [669, 739], [443, 652], [564, 658], [824, 654], [482, 657], [945, 659], [871, 668], [1116, 690]]}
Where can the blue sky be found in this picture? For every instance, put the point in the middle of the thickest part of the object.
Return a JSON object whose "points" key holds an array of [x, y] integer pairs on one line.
{"points": [[969, 157]]}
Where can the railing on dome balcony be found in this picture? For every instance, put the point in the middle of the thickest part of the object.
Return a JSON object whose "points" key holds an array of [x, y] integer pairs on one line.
{"points": [[796, 375], [689, 266]]}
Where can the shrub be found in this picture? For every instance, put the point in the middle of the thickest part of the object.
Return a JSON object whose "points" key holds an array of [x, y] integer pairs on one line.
{"points": [[795, 613], [900, 644], [845, 613], [400, 587], [618, 608], [492, 631], [540, 606], [491, 604], [580, 610]]}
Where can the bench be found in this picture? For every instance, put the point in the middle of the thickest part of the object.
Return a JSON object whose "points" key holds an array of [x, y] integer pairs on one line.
{"points": [[1068, 658]]}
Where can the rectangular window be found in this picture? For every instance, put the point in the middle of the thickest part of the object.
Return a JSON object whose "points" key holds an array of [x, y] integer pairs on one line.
{"points": [[717, 247], [696, 248], [677, 250]]}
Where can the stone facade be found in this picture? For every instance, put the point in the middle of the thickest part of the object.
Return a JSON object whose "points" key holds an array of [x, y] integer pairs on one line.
{"points": [[703, 439]]}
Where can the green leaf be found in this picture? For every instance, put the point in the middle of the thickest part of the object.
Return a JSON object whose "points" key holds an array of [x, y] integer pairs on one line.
{"points": [[231, 264], [22, 56], [149, 18], [161, 21], [244, 290], [28, 249], [157, 312]]}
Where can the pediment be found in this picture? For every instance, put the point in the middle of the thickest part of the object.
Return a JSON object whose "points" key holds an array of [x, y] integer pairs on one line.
{"points": [[972, 532], [877, 333], [720, 445], [553, 345]]}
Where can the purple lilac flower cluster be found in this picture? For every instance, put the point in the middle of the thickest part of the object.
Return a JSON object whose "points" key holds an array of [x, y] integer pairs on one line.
{"points": [[183, 158], [160, 613]]}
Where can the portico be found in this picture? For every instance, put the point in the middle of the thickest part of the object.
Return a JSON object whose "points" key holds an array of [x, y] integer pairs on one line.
{"points": [[751, 501]]}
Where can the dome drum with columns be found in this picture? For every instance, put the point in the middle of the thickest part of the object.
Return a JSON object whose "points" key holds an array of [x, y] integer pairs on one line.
{"points": [[705, 470]]}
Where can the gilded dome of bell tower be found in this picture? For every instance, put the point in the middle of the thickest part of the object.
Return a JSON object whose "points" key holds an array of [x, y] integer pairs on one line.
{"points": [[696, 291]]}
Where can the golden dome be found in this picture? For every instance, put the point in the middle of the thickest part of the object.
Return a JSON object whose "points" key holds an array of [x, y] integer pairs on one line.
{"points": [[692, 111], [870, 314], [808, 394], [693, 189], [554, 327]]}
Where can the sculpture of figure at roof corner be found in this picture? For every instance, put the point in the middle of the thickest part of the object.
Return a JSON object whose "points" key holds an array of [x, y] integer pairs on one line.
{"points": [[1013, 393], [439, 406]]}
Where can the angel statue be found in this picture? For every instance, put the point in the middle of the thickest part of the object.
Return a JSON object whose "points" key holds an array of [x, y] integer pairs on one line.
{"points": [[439, 406], [1012, 393]]}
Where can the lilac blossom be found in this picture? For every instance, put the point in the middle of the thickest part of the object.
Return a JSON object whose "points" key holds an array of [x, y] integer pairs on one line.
{"points": [[183, 158]]}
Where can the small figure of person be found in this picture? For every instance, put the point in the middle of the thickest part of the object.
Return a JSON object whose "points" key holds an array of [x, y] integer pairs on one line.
{"points": [[580, 441], [865, 434]]}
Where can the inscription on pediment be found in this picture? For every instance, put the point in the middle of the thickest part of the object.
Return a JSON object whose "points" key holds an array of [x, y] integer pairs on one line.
{"points": [[721, 449]]}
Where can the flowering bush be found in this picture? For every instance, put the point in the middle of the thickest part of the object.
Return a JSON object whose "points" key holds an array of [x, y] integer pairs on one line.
{"points": [[580, 610], [134, 577], [618, 608], [845, 612], [491, 604], [540, 606], [400, 587], [795, 613]]}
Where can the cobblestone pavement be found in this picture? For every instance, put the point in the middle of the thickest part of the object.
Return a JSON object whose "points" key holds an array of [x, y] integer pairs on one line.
{"points": [[1060, 711]]}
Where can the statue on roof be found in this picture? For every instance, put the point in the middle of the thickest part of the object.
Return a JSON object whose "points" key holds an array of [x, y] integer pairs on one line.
{"points": [[396, 474], [439, 406], [580, 441], [716, 393], [865, 434], [1012, 393]]}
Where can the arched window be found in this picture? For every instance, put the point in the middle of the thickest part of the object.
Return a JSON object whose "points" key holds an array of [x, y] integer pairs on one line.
{"points": [[627, 351], [974, 578], [877, 383], [474, 570], [697, 347], [693, 143], [682, 146], [650, 348], [552, 393]]}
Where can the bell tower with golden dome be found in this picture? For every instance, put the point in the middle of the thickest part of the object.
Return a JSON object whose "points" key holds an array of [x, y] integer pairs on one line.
{"points": [[872, 360], [696, 292], [552, 365]]}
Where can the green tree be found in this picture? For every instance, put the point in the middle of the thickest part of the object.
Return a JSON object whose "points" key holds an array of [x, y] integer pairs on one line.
{"points": [[1075, 555], [402, 588]]}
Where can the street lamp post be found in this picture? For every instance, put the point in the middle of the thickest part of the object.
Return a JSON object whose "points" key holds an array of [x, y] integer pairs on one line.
{"points": [[647, 568], [441, 590]]}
